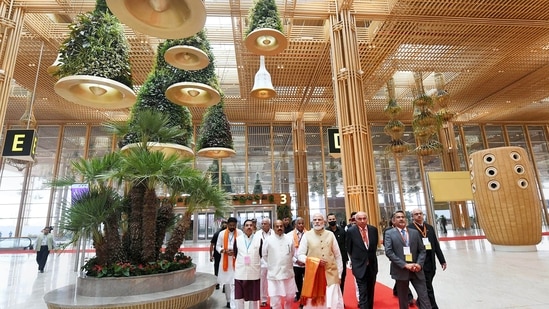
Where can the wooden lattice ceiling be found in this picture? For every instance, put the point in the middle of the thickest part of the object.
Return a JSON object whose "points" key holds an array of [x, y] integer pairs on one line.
{"points": [[494, 55]]}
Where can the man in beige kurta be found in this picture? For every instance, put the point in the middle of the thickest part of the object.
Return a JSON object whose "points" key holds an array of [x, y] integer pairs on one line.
{"points": [[321, 244]]}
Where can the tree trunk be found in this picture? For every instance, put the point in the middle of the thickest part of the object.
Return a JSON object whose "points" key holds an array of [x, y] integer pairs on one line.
{"points": [[149, 225], [163, 220], [178, 235], [137, 194]]}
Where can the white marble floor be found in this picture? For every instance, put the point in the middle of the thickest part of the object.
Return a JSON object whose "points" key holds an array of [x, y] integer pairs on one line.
{"points": [[477, 277]]}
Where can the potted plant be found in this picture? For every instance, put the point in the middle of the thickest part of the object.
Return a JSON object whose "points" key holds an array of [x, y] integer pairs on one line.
{"points": [[264, 33], [95, 67], [394, 128]]}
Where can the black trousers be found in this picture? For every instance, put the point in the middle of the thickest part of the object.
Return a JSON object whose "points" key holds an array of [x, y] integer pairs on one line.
{"points": [[299, 273], [42, 257], [217, 260]]}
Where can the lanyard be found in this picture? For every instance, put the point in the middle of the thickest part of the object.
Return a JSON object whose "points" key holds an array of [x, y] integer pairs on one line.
{"points": [[248, 243]]}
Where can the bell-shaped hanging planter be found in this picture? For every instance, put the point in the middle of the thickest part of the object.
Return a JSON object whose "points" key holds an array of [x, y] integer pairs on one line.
{"points": [[263, 87], [215, 139], [95, 68], [54, 67], [167, 19], [442, 97], [196, 87], [394, 128], [264, 34], [392, 109], [187, 58]]}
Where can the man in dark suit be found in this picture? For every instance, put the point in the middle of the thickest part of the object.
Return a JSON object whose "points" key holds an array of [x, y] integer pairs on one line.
{"points": [[432, 248], [404, 247], [339, 233], [361, 242]]}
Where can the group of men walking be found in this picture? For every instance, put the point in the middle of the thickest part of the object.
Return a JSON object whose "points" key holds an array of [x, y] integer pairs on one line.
{"points": [[286, 266]]}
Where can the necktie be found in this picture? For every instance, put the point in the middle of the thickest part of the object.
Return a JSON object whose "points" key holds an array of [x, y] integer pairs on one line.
{"points": [[364, 234]]}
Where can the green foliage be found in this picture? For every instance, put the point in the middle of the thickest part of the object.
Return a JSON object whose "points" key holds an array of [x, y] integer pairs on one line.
{"points": [[264, 14], [258, 189], [283, 211], [152, 96], [126, 269], [226, 184], [215, 130], [96, 46]]}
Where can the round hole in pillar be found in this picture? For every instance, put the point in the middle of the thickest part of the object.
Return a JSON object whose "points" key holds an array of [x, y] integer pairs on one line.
{"points": [[472, 175], [519, 169], [522, 183], [489, 158], [493, 185], [515, 155], [474, 188], [491, 171]]}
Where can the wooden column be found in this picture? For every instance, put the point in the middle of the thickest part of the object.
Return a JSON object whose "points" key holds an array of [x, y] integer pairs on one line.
{"points": [[356, 145], [11, 24], [300, 170]]}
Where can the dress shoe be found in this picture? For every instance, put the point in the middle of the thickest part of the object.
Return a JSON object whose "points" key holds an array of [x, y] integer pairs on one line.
{"points": [[264, 304], [296, 299], [217, 286], [228, 305]]}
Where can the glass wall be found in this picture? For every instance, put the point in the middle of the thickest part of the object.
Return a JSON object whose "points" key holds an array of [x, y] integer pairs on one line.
{"points": [[263, 161]]}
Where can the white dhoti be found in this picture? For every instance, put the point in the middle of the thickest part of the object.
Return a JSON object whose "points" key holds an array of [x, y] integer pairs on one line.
{"points": [[334, 299], [226, 278], [282, 292]]}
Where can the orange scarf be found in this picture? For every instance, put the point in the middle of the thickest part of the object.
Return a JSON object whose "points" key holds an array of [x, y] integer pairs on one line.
{"points": [[226, 247], [314, 283], [296, 240]]}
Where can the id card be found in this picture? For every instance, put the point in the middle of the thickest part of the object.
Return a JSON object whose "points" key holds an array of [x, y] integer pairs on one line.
{"points": [[407, 254], [426, 243], [247, 260]]}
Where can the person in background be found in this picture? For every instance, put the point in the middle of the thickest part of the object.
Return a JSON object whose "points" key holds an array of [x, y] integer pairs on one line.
{"points": [[362, 241], [320, 252], [299, 266], [288, 228], [247, 268], [351, 220], [340, 235], [404, 248], [226, 243], [264, 233], [443, 223], [278, 253], [432, 247], [215, 257], [44, 244]]}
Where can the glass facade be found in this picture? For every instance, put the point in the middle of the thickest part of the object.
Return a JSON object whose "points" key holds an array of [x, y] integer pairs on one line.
{"points": [[264, 161]]}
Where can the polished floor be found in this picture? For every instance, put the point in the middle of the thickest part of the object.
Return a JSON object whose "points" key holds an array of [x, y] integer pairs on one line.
{"points": [[477, 276]]}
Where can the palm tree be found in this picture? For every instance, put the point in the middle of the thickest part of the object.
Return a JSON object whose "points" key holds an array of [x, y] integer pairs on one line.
{"points": [[202, 194]]}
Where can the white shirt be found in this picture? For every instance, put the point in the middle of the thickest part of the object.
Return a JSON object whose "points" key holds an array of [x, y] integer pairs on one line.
{"points": [[264, 235], [278, 252]]}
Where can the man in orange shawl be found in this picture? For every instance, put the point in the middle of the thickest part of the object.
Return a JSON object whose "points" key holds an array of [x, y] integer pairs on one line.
{"points": [[320, 251], [225, 246]]}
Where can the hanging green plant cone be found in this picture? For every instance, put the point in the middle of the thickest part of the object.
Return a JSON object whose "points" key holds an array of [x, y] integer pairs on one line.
{"points": [[264, 34], [215, 138], [96, 54]]}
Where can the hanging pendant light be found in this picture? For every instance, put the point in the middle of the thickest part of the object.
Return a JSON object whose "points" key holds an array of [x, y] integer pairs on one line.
{"points": [[192, 94], [187, 58], [167, 19], [263, 87]]}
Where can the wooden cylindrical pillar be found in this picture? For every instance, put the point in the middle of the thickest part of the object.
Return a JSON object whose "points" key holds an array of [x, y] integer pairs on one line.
{"points": [[356, 147]]}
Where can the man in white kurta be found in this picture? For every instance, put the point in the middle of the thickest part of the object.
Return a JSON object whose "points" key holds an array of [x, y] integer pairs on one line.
{"points": [[225, 246], [264, 233], [247, 269], [278, 252], [321, 244]]}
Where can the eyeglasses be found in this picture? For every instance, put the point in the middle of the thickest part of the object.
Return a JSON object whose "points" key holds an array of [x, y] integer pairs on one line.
{"points": [[418, 214]]}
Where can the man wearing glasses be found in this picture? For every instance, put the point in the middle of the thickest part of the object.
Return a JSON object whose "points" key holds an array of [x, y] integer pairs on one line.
{"points": [[432, 248]]}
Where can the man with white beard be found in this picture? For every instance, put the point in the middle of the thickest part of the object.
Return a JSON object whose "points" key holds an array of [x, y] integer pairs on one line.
{"points": [[320, 252]]}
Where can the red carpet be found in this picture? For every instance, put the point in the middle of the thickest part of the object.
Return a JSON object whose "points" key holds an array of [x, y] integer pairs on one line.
{"points": [[384, 298]]}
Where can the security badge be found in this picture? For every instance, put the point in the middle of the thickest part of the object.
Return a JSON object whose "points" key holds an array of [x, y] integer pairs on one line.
{"points": [[426, 243]]}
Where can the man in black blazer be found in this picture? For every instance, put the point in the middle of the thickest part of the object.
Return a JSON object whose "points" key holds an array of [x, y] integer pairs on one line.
{"points": [[404, 247], [362, 240], [432, 248]]}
